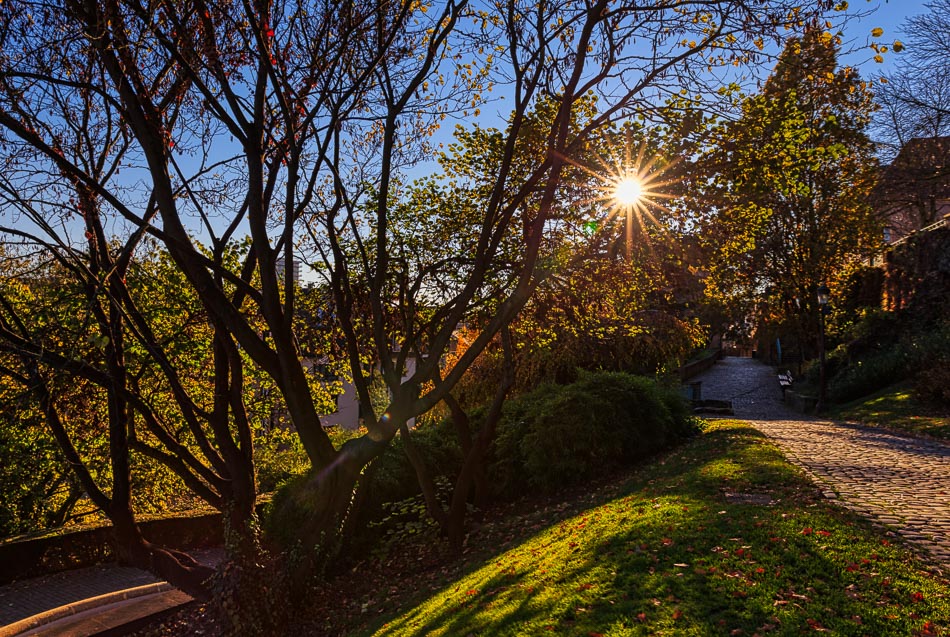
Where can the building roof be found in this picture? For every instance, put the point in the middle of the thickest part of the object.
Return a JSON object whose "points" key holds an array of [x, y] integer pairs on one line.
{"points": [[921, 169]]}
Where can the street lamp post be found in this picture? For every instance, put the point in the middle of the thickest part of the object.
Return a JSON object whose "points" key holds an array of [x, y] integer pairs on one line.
{"points": [[824, 297]]}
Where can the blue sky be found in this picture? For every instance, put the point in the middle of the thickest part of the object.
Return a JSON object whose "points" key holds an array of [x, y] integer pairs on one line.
{"points": [[888, 15]]}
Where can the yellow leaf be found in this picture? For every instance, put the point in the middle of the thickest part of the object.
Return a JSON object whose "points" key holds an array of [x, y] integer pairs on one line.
{"points": [[877, 32], [898, 46], [879, 59]]}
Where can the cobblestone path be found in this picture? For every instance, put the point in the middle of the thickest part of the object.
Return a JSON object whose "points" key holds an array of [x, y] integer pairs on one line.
{"points": [[901, 482]]}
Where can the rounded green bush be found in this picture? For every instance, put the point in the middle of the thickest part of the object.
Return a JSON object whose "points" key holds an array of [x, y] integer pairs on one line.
{"points": [[559, 435]]}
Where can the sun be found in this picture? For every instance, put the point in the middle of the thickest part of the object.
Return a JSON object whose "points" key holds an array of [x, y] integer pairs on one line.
{"points": [[628, 190]]}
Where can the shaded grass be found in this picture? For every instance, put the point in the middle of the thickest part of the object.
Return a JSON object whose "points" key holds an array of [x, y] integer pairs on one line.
{"points": [[688, 546], [896, 407]]}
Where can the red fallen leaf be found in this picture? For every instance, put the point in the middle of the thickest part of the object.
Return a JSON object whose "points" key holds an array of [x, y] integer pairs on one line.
{"points": [[760, 570], [666, 541], [824, 533], [807, 531], [885, 543], [852, 568], [740, 552], [641, 617], [593, 634], [917, 597], [677, 614], [471, 591], [585, 587], [928, 630]]}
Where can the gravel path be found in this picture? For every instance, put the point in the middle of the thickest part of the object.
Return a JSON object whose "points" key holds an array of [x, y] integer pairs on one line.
{"points": [[901, 482]]}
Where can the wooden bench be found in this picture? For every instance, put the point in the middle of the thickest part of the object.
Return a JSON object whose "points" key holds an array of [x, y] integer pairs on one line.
{"points": [[785, 381]]}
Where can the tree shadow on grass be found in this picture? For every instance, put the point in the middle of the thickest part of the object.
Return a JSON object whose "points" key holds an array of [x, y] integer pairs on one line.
{"points": [[670, 552]]}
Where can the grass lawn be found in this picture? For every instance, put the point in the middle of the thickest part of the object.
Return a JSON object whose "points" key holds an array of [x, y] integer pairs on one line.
{"points": [[721, 537], [897, 408]]}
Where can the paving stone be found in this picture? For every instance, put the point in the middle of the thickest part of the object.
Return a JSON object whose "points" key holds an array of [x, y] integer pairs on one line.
{"points": [[892, 479]]}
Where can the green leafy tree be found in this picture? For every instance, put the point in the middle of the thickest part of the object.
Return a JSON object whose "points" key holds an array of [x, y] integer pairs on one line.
{"points": [[789, 183]]}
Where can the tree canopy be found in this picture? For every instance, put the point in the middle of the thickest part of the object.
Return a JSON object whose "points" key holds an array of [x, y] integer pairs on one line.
{"points": [[293, 122], [790, 181]]}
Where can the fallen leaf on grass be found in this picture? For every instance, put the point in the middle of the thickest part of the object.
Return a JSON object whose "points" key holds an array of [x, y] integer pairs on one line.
{"points": [[815, 625]]}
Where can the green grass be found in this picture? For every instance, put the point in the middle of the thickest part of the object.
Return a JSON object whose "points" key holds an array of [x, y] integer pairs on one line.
{"points": [[896, 407], [668, 552]]}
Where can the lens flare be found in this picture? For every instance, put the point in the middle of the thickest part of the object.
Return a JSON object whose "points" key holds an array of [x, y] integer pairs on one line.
{"points": [[628, 190], [629, 186]]}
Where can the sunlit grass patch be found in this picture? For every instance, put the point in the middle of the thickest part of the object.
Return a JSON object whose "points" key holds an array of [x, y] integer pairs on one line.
{"points": [[896, 407], [673, 551]]}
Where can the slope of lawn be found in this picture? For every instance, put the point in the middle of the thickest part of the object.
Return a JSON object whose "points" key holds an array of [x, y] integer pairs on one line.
{"points": [[896, 407], [721, 537]]}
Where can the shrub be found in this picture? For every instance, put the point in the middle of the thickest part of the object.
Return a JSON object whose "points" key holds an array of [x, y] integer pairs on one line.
{"points": [[391, 479], [917, 353], [559, 435], [554, 436], [933, 384], [871, 374], [571, 437]]}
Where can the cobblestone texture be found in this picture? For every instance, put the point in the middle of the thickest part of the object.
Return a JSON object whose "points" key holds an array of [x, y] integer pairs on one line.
{"points": [[898, 481]]}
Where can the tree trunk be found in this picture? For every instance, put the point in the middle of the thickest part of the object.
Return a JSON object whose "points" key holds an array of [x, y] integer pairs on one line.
{"points": [[179, 569], [472, 473], [319, 507], [424, 478]]}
